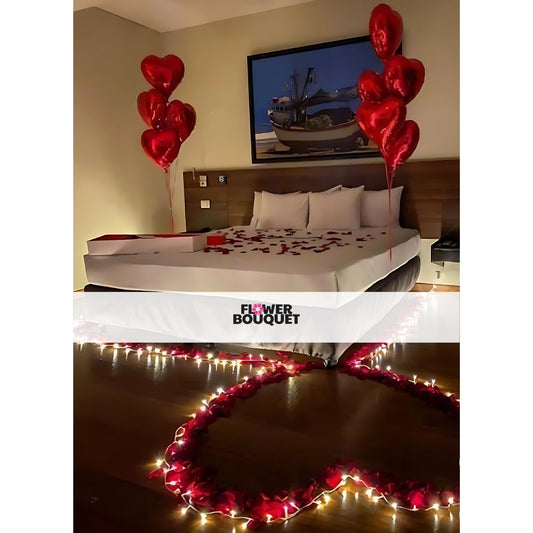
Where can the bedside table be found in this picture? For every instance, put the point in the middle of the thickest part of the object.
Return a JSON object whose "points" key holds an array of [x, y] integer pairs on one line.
{"points": [[445, 250]]}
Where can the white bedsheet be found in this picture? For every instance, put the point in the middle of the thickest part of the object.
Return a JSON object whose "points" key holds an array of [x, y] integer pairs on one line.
{"points": [[264, 260]]}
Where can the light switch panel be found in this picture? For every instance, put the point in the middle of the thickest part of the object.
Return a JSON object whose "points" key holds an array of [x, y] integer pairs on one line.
{"points": [[205, 204], [203, 181]]}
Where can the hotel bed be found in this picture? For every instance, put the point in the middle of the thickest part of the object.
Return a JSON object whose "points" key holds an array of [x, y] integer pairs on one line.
{"points": [[256, 258], [264, 260]]}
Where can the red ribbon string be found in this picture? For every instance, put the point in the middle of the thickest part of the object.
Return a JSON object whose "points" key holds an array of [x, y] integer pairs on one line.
{"points": [[169, 194], [390, 177]]}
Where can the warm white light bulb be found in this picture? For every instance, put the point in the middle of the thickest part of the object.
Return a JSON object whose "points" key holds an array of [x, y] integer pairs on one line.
{"points": [[159, 462], [232, 513], [203, 516], [450, 500], [183, 511], [435, 506], [394, 505], [327, 498]]}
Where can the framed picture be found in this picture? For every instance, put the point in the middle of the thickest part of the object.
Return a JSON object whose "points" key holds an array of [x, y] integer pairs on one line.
{"points": [[303, 101]]}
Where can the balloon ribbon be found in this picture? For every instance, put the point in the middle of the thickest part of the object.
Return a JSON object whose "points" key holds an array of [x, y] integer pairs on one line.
{"points": [[390, 177], [169, 194]]}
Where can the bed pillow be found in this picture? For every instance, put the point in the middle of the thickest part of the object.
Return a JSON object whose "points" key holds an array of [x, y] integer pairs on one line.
{"points": [[257, 202], [375, 207], [257, 206], [335, 210], [282, 211]]}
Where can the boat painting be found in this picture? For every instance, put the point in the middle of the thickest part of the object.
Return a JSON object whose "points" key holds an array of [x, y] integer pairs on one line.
{"points": [[303, 102], [327, 129]]}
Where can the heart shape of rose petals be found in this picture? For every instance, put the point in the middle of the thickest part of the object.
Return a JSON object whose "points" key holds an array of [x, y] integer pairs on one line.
{"points": [[404, 77], [386, 30], [401, 145], [379, 120], [152, 106], [200, 490], [181, 118], [164, 74], [371, 87], [162, 146]]}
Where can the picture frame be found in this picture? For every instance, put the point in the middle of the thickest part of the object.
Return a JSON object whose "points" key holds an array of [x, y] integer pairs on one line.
{"points": [[303, 101]]}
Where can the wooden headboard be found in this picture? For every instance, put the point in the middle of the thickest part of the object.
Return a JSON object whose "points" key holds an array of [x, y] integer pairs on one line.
{"points": [[430, 200]]}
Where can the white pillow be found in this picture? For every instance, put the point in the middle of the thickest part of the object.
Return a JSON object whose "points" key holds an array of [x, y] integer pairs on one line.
{"points": [[257, 202], [335, 210], [282, 211], [257, 206], [375, 207]]}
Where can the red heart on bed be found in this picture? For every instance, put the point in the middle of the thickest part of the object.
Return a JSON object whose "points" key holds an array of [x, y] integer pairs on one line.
{"points": [[371, 86], [152, 106], [379, 120], [182, 118], [163, 74], [401, 145], [386, 29], [404, 77], [161, 146]]}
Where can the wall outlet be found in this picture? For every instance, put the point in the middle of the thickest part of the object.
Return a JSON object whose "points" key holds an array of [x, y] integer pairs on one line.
{"points": [[205, 204], [203, 181]]}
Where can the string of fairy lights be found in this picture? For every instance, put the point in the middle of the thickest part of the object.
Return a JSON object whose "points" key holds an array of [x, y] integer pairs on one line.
{"points": [[370, 357], [320, 501]]}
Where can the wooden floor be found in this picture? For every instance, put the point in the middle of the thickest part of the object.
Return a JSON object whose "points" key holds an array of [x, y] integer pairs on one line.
{"points": [[126, 410]]}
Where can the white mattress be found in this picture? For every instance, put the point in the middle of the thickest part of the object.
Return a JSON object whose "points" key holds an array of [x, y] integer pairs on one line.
{"points": [[351, 261]]}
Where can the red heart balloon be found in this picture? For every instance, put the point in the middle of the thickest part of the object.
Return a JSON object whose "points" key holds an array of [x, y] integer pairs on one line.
{"points": [[386, 29], [152, 106], [371, 86], [379, 120], [163, 74], [404, 77], [182, 118], [401, 145], [162, 146]]}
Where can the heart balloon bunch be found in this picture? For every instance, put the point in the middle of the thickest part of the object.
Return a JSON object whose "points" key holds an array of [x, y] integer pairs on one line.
{"points": [[170, 123], [382, 113]]}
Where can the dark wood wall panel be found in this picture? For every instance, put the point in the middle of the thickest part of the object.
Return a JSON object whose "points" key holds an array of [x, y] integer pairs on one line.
{"points": [[430, 201]]}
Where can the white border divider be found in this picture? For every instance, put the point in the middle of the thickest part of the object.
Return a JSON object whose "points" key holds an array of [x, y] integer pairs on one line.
{"points": [[278, 317]]}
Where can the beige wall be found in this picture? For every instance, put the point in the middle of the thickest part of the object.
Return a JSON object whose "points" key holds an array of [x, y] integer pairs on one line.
{"points": [[117, 189], [216, 81]]}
